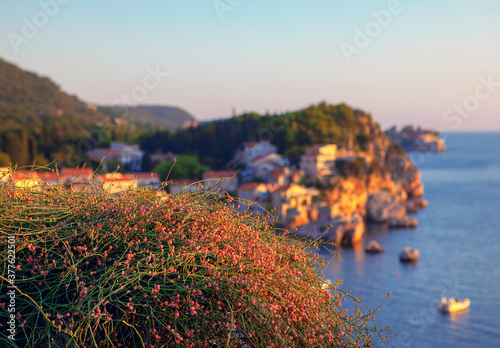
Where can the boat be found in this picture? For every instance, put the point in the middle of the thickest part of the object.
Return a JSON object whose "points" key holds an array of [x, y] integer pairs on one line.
{"points": [[451, 305]]}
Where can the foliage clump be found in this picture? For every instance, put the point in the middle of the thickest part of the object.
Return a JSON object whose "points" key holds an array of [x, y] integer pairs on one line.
{"points": [[95, 270]]}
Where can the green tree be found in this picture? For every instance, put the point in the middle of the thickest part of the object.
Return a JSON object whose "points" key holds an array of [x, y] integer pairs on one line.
{"points": [[4, 159], [147, 164], [17, 147], [40, 160], [185, 167]]}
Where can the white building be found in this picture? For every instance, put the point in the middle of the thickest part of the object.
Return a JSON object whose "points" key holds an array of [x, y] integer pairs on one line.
{"points": [[318, 162], [250, 150], [118, 154], [226, 180]]}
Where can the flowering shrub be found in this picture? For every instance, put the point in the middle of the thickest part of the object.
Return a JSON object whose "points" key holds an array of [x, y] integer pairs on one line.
{"points": [[136, 271]]}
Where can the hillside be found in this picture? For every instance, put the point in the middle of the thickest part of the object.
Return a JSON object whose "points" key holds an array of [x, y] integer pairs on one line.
{"points": [[39, 122], [36, 94], [216, 142], [154, 116]]}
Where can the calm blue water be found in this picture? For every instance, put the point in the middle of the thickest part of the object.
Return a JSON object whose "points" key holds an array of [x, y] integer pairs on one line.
{"points": [[459, 242]]}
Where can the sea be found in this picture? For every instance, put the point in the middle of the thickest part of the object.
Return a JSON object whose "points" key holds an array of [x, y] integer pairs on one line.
{"points": [[458, 237]]}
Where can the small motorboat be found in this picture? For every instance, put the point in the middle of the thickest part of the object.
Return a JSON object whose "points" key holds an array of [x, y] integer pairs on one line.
{"points": [[451, 305], [409, 254]]}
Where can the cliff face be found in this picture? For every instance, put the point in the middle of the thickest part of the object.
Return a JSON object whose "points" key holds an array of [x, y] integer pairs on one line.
{"points": [[386, 168], [386, 191], [350, 194]]}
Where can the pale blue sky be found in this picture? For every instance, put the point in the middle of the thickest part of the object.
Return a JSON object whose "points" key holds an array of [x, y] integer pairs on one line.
{"points": [[272, 55]]}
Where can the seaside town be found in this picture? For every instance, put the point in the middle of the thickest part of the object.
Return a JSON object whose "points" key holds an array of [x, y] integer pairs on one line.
{"points": [[317, 198], [234, 173]]}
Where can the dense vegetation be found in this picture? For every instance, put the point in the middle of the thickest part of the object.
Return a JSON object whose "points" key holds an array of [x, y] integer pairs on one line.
{"points": [[185, 167], [134, 271], [40, 122], [215, 143], [153, 117]]}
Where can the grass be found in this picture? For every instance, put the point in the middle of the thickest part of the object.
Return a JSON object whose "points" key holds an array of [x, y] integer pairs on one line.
{"points": [[95, 270]]}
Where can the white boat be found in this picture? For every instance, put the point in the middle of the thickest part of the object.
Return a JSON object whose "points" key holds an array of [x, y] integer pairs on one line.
{"points": [[451, 305]]}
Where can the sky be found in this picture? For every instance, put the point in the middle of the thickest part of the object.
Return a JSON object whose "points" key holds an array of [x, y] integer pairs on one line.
{"points": [[431, 63]]}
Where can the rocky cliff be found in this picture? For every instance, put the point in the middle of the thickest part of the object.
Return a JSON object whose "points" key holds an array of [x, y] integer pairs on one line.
{"points": [[386, 188]]}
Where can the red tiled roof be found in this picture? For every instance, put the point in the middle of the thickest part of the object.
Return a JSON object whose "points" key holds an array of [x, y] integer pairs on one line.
{"points": [[121, 178], [29, 173], [250, 144], [16, 177], [261, 157], [219, 174], [76, 172], [47, 176], [110, 152], [258, 158], [276, 172], [314, 149], [283, 188], [249, 186], [22, 174]]}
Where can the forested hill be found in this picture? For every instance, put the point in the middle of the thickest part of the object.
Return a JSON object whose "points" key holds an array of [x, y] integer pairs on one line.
{"points": [[154, 116], [40, 122], [39, 95], [215, 143]]}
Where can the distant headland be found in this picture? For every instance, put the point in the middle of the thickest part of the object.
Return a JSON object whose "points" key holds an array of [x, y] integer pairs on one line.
{"points": [[416, 139]]}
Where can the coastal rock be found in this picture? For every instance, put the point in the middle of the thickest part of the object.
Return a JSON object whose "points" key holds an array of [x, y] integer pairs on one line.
{"points": [[399, 192], [296, 220], [406, 221], [404, 172], [409, 254], [382, 205], [413, 205], [341, 230], [346, 230], [374, 248]]}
